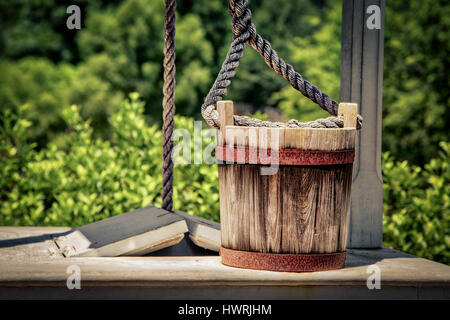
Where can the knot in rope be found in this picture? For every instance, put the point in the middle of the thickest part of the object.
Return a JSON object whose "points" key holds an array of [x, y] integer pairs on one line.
{"points": [[241, 18]]}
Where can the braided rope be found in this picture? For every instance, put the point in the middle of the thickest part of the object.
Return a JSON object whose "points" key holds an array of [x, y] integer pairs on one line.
{"points": [[244, 31], [168, 103]]}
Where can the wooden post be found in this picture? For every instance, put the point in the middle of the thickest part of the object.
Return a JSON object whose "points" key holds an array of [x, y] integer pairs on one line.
{"points": [[361, 82]]}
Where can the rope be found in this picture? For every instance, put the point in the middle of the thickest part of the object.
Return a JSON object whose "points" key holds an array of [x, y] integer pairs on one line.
{"points": [[168, 103], [244, 31]]}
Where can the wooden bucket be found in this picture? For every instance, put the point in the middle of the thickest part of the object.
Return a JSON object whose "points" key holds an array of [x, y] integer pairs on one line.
{"points": [[285, 193]]}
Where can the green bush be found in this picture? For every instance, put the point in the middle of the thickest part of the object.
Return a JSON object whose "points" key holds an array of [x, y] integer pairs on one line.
{"points": [[90, 178], [47, 88], [416, 206]]}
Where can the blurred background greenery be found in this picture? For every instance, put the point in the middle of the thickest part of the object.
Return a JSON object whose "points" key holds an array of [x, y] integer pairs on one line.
{"points": [[63, 164]]}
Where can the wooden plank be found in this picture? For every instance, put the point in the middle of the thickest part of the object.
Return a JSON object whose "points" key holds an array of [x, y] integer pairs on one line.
{"points": [[326, 139], [396, 267], [225, 208], [255, 223], [290, 191], [274, 214], [307, 211], [133, 233], [361, 83], [26, 274], [319, 139], [30, 242], [204, 233], [237, 136], [33, 270]]}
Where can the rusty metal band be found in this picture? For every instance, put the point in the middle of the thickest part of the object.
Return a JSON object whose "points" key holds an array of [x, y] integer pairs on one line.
{"points": [[254, 155], [281, 261]]}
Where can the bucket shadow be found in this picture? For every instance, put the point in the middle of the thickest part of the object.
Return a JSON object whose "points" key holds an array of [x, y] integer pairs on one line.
{"points": [[14, 242], [366, 257]]}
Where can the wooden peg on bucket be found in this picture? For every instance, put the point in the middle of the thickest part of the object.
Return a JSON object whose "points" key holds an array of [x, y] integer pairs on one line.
{"points": [[226, 111], [349, 111]]}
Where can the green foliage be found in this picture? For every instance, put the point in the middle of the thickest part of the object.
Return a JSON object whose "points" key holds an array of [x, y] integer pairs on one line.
{"points": [[417, 206], [317, 58], [45, 87], [37, 82], [258, 115], [90, 178], [123, 46], [416, 84], [38, 28]]}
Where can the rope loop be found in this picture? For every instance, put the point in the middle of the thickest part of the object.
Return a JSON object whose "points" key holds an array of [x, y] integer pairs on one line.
{"points": [[244, 32]]}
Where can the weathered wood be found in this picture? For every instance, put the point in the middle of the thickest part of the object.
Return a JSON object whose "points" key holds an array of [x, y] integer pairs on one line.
{"points": [[226, 110], [326, 139], [349, 112], [291, 138], [300, 209], [202, 232], [26, 273], [30, 243], [133, 233], [274, 215], [362, 82]]}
